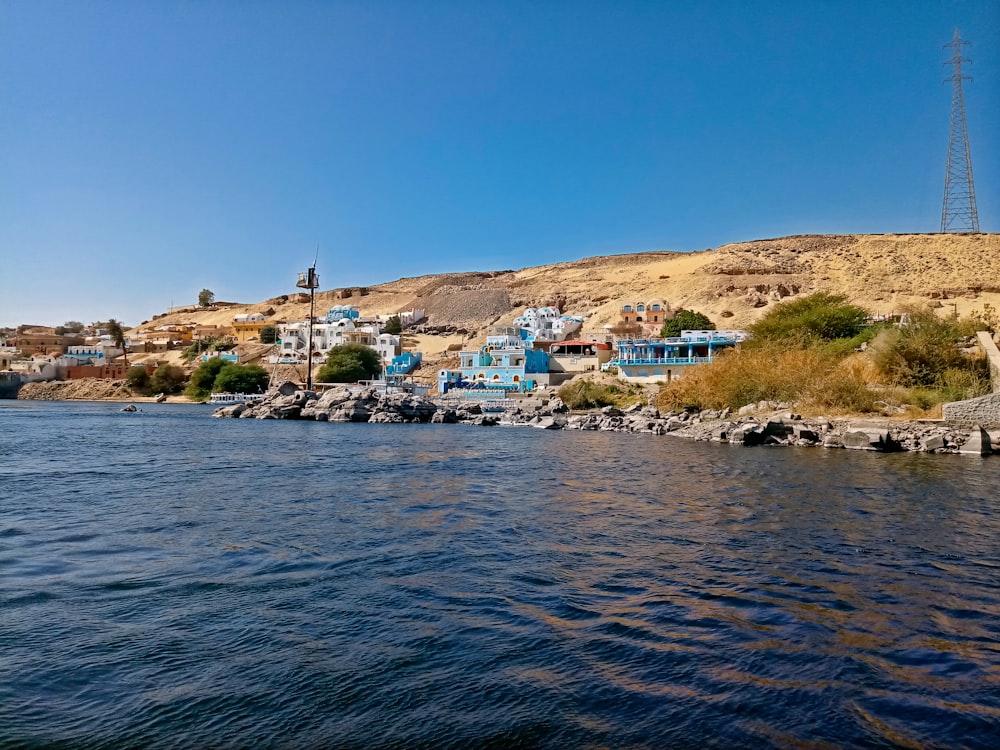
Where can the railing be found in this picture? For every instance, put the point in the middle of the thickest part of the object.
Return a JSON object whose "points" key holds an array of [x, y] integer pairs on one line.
{"points": [[660, 361]]}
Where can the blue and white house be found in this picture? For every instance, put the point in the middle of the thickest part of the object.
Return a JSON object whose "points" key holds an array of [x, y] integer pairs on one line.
{"points": [[546, 324], [652, 360], [505, 362]]}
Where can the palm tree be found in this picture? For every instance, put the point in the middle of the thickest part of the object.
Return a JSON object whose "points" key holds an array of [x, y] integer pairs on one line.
{"points": [[118, 336]]}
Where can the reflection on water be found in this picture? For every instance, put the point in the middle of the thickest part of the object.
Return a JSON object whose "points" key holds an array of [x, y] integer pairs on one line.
{"points": [[171, 580]]}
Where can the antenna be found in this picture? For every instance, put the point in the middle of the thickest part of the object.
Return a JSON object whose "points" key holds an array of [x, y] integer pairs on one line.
{"points": [[958, 213]]}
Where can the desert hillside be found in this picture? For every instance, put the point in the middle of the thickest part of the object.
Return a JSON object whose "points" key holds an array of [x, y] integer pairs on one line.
{"points": [[733, 284]]}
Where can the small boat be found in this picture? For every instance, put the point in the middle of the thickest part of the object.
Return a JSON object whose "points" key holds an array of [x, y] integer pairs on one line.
{"points": [[228, 399]]}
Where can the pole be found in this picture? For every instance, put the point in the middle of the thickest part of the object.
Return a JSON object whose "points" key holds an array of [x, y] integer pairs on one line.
{"points": [[312, 303], [309, 280]]}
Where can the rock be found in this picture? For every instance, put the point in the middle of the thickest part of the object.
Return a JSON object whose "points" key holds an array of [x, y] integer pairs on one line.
{"points": [[130, 407], [612, 411], [870, 440], [557, 406], [748, 435], [776, 429], [978, 443], [933, 443], [802, 433], [287, 388]]}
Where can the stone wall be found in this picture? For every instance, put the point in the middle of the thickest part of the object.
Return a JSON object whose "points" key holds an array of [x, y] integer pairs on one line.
{"points": [[983, 411], [993, 355]]}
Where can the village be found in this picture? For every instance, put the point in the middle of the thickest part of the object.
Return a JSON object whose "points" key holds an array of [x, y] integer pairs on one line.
{"points": [[541, 347]]}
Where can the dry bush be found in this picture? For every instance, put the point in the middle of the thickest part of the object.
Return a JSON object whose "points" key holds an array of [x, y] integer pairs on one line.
{"points": [[772, 373]]}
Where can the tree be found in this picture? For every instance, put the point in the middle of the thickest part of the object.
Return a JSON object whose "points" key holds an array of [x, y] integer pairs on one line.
{"points": [[167, 379], [393, 325], [350, 363], [73, 326], [137, 378], [206, 297], [268, 335], [686, 320], [117, 334], [234, 378], [203, 379]]}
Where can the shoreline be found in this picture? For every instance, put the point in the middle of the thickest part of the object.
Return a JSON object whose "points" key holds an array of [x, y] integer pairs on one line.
{"points": [[778, 427], [774, 426]]}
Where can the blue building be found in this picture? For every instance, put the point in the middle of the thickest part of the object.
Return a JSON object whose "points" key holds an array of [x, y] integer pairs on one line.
{"points": [[504, 362], [342, 312], [652, 360]]}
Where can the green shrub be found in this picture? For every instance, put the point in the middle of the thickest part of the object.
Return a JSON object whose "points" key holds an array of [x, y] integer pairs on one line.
{"points": [[393, 325], [350, 363], [138, 378], [234, 378], [203, 379], [167, 379], [586, 394], [820, 316], [920, 351]]}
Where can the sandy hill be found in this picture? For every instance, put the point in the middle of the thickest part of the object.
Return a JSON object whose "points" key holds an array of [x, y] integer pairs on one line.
{"points": [[733, 284]]}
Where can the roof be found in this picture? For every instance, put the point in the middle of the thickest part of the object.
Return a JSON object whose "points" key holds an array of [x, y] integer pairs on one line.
{"points": [[579, 342]]}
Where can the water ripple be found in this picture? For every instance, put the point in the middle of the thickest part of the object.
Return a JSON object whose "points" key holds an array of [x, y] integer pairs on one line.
{"points": [[268, 584]]}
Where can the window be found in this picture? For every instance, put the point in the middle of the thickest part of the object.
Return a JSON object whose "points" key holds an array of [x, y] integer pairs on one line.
{"points": [[640, 308], [627, 308]]}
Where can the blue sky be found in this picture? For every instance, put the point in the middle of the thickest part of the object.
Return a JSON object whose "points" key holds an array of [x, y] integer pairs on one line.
{"points": [[148, 150]]}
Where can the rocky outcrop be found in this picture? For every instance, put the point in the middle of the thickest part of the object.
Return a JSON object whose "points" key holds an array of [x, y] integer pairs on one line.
{"points": [[83, 389], [335, 405], [753, 426]]}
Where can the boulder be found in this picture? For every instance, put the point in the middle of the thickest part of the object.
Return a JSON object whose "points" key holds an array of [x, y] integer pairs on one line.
{"points": [[933, 443], [870, 440]]}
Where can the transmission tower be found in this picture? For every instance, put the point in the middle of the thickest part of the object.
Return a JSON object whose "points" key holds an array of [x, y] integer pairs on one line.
{"points": [[958, 214]]}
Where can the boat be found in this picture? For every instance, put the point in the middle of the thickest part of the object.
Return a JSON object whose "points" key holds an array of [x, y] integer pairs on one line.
{"points": [[10, 383], [228, 399]]}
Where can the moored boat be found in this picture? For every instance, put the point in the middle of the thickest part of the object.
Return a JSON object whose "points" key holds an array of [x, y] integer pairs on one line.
{"points": [[228, 399]]}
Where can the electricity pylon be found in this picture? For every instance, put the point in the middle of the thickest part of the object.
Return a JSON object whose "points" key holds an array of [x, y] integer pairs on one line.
{"points": [[958, 214]]}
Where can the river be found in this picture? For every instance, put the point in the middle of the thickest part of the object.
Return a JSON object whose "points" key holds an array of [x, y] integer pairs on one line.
{"points": [[172, 580]]}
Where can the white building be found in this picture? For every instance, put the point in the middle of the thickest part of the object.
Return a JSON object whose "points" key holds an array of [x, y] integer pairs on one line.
{"points": [[295, 340], [547, 324]]}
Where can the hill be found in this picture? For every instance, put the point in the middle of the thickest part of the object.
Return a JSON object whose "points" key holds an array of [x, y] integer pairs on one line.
{"points": [[733, 284]]}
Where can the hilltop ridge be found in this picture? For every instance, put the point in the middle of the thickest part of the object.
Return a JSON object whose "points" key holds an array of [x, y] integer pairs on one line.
{"points": [[733, 284]]}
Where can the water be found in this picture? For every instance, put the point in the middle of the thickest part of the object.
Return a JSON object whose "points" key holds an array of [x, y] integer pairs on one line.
{"points": [[171, 580]]}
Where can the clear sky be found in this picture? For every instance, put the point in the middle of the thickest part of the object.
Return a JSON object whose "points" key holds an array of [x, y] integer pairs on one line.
{"points": [[152, 149]]}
